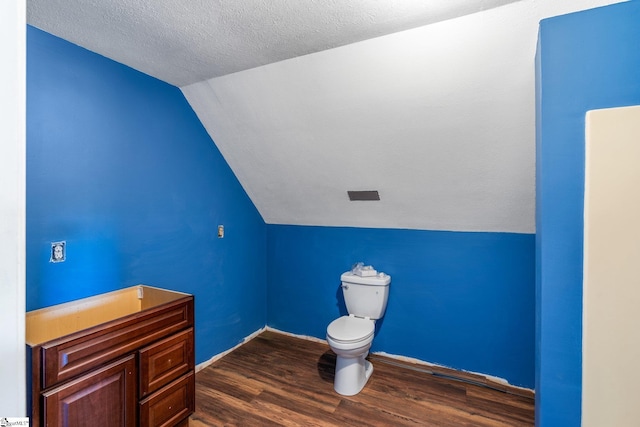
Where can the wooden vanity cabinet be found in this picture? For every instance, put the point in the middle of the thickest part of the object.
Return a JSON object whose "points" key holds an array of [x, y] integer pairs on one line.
{"points": [[125, 358]]}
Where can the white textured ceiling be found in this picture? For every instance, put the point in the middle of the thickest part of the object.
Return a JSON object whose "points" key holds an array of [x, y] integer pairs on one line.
{"points": [[439, 118], [186, 41]]}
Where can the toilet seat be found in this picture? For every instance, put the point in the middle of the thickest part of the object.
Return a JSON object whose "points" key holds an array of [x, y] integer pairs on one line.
{"points": [[350, 329]]}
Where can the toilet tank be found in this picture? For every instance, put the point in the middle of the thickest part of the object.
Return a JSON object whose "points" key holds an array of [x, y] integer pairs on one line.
{"points": [[365, 296]]}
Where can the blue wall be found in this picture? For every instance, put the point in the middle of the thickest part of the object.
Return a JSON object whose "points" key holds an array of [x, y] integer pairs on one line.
{"points": [[586, 61], [464, 300], [120, 167]]}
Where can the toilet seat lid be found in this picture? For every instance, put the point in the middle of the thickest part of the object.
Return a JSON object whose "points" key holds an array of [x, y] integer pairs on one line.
{"points": [[349, 328]]}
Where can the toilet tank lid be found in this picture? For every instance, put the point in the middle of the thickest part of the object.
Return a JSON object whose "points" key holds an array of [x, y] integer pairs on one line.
{"points": [[380, 279]]}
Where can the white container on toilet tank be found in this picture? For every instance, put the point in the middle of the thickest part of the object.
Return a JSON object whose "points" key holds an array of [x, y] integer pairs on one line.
{"points": [[350, 337]]}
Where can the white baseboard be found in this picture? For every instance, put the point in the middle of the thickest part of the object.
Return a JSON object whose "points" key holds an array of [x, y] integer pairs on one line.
{"points": [[201, 366]]}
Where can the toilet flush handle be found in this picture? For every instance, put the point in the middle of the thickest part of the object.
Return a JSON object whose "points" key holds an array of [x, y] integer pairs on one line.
{"points": [[345, 286]]}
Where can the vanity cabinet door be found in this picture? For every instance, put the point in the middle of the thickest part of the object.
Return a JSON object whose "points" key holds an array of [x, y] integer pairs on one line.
{"points": [[106, 397]]}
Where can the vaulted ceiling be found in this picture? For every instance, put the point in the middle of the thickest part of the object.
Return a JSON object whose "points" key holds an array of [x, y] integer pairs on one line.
{"points": [[431, 103]]}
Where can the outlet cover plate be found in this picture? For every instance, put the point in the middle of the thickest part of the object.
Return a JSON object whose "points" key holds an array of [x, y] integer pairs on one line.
{"points": [[58, 251]]}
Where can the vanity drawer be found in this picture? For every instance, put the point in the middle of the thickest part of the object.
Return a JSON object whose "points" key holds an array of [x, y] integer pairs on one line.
{"points": [[170, 404], [165, 360]]}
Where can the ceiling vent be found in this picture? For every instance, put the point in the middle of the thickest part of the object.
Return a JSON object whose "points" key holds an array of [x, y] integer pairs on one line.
{"points": [[363, 195]]}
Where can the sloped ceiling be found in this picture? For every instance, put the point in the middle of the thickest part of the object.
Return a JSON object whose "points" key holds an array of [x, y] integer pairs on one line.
{"points": [[309, 99], [187, 41]]}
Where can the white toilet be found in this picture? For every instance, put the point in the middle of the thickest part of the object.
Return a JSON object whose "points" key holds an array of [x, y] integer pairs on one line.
{"points": [[350, 336]]}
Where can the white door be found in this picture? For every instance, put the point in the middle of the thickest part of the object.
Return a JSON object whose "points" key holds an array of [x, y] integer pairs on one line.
{"points": [[611, 299]]}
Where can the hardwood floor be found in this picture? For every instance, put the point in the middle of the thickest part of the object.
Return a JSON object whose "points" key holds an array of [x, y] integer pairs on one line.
{"points": [[276, 379]]}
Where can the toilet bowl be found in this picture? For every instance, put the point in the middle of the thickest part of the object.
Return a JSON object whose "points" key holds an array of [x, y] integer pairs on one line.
{"points": [[350, 339]]}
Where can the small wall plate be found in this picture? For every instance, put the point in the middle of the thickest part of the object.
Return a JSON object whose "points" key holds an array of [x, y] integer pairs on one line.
{"points": [[58, 251]]}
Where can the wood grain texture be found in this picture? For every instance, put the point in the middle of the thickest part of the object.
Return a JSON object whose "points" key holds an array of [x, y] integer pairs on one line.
{"points": [[103, 398], [70, 387], [280, 380]]}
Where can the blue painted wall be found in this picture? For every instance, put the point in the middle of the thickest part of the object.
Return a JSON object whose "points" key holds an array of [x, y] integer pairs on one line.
{"points": [[464, 300], [586, 61], [120, 167]]}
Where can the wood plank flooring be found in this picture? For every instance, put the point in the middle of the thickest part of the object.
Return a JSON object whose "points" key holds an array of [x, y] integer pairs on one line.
{"points": [[278, 380]]}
